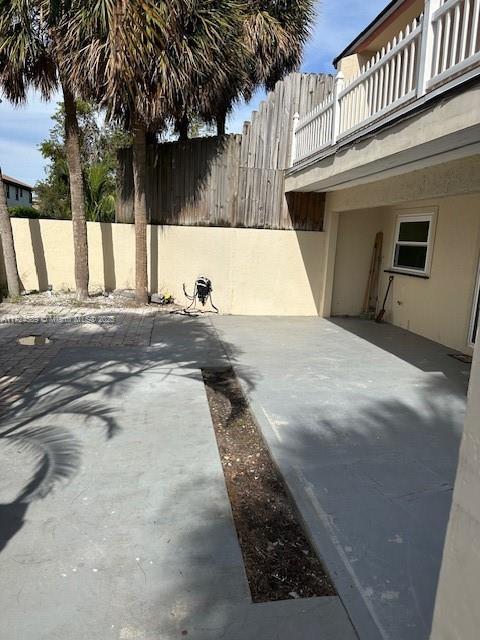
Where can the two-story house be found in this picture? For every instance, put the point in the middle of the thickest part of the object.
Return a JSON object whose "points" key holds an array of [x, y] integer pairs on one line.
{"points": [[396, 150], [18, 193]]}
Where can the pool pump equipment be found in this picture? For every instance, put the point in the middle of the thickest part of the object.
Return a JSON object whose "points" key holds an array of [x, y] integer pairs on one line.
{"points": [[202, 292]]}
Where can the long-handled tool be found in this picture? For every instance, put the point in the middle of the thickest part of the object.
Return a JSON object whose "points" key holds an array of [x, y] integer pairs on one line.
{"points": [[382, 311], [370, 300]]}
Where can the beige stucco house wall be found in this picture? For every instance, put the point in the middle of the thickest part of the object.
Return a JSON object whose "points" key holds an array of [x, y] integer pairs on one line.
{"points": [[439, 307], [430, 158], [295, 273], [253, 271], [457, 614], [448, 130]]}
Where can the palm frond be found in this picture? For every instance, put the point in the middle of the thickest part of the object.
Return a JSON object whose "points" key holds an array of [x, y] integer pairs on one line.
{"points": [[26, 51]]}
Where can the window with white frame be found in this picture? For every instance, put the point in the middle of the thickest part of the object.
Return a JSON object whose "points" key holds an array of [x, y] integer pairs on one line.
{"points": [[475, 323], [412, 250]]}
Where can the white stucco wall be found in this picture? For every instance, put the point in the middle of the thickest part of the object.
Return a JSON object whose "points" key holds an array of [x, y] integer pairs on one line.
{"points": [[457, 614], [439, 308], [253, 271]]}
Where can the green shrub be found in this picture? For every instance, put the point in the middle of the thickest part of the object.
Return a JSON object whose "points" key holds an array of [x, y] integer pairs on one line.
{"points": [[22, 211]]}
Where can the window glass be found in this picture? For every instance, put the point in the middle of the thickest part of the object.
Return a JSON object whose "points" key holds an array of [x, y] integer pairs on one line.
{"points": [[412, 246], [411, 257], [476, 319], [414, 231]]}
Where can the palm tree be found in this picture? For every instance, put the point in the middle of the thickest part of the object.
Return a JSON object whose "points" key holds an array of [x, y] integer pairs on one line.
{"points": [[144, 57], [273, 37], [8, 246], [77, 194], [29, 57]]}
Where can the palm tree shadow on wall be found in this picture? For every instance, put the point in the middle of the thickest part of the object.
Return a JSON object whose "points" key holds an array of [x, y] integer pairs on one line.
{"points": [[38, 253], [109, 277], [3, 277]]}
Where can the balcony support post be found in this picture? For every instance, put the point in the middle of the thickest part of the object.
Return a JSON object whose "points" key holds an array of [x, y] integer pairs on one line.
{"points": [[339, 86], [427, 44], [293, 153]]}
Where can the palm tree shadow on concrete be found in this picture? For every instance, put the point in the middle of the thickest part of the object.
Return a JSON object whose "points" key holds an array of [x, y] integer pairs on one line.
{"points": [[178, 347], [56, 456], [54, 453], [382, 475]]}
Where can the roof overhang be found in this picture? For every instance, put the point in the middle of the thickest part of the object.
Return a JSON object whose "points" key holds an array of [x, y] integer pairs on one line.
{"points": [[16, 183]]}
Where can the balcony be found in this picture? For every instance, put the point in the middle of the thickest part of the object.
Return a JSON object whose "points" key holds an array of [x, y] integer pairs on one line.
{"points": [[434, 53]]}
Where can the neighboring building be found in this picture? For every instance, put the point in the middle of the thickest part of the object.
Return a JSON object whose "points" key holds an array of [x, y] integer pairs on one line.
{"points": [[18, 193], [396, 150]]}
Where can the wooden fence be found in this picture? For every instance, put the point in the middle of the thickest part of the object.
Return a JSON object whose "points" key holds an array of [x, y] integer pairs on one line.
{"points": [[235, 180]]}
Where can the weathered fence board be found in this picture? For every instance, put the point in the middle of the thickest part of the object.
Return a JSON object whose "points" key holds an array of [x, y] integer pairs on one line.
{"points": [[234, 180]]}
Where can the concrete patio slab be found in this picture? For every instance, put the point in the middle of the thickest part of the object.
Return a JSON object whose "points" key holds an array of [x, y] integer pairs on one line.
{"points": [[139, 543], [142, 538], [364, 421]]}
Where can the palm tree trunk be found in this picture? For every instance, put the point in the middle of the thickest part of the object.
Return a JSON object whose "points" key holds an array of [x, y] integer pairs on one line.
{"points": [[221, 118], [6, 233], [182, 128], [77, 195], [140, 212], [151, 137]]}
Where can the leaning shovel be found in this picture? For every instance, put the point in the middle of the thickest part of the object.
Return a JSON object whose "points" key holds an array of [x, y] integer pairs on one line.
{"points": [[381, 313]]}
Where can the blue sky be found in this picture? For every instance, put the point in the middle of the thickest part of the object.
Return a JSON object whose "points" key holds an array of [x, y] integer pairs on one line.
{"points": [[23, 128]]}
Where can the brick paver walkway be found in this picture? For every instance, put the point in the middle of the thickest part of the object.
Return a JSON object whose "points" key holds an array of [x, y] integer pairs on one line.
{"points": [[65, 327]]}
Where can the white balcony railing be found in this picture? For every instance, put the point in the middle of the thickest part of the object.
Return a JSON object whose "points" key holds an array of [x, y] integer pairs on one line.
{"points": [[455, 25], [314, 131], [443, 44], [387, 80]]}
